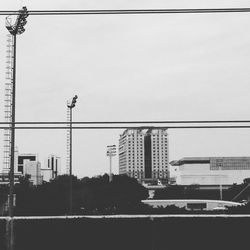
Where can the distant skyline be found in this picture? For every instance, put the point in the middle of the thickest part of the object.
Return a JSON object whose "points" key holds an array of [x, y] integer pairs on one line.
{"points": [[130, 67]]}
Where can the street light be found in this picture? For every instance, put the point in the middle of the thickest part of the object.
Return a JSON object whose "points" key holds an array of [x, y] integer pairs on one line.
{"points": [[14, 29], [71, 106], [111, 151]]}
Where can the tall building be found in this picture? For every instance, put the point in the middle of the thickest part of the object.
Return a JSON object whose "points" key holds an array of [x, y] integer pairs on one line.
{"points": [[52, 168], [33, 169], [28, 164], [22, 158], [143, 153], [211, 170]]}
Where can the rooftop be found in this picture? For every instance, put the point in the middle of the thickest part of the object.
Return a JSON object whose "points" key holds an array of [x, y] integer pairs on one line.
{"points": [[205, 160]]}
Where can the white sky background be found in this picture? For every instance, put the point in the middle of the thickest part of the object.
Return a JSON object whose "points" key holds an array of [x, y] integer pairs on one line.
{"points": [[130, 67]]}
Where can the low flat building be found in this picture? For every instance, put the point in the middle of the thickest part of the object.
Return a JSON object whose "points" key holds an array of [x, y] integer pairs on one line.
{"points": [[211, 170], [193, 204]]}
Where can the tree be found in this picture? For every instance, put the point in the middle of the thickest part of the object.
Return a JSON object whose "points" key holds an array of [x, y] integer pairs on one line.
{"points": [[170, 192], [100, 195], [90, 195]]}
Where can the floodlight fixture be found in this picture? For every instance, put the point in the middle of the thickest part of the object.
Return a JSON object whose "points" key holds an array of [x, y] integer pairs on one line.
{"points": [[111, 151], [73, 102], [18, 27]]}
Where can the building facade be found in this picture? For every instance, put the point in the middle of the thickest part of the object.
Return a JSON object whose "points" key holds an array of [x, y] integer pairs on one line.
{"points": [[52, 168], [24, 158], [28, 164], [211, 170], [33, 170], [143, 153]]}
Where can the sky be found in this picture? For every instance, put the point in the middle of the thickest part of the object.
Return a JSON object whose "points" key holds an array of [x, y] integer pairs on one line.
{"points": [[126, 68]]}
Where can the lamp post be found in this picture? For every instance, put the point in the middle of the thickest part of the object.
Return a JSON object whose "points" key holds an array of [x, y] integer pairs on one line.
{"points": [[14, 29], [111, 151], [71, 106]]}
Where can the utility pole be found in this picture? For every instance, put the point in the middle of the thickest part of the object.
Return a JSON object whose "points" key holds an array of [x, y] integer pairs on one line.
{"points": [[220, 182], [15, 29], [71, 106], [219, 164], [111, 151]]}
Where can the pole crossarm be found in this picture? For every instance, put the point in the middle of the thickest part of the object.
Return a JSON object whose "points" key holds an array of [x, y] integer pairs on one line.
{"points": [[129, 11]]}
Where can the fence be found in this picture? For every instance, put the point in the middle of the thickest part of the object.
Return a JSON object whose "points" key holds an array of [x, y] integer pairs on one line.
{"points": [[128, 232]]}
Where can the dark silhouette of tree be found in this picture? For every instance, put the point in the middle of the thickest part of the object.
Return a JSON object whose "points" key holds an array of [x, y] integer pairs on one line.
{"points": [[4, 190], [195, 192], [90, 195], [98, 195], [101, 196], [170, 192], [50, 198]]}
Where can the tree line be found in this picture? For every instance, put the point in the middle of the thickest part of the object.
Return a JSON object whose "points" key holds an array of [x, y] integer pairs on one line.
{"points": [[99, 196]]}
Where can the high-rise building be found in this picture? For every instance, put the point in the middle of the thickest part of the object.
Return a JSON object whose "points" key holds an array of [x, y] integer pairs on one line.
{"points": [[54, 163], [143, 153], [33, 170], [52, 168], [28, 164], [22, 158]]}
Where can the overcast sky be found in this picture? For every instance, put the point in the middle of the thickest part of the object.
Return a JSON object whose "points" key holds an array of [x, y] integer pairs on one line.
{"points": [[130, 67]]}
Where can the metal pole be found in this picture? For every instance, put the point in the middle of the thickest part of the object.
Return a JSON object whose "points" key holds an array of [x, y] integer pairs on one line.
{"points": [[221, 182], [110, 166], [12, 152], [70, 165]]}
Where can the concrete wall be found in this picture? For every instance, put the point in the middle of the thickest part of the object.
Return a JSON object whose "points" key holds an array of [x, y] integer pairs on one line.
{"points": [[201, 174], [130, 232], [2, 233]]}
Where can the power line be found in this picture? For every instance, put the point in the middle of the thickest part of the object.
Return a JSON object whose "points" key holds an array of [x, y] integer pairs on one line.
{"points": [[128, 122], [128, 11], [130, 127]]}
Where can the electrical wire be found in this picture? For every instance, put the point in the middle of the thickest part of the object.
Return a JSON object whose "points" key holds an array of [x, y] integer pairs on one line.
{"points": [[128, 122], [118, 12], [130, 127], [128, 11]]}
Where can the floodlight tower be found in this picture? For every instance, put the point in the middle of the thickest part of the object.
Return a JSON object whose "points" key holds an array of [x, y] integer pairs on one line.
{"points": [[111, 151], [70, 106], [14, 29]]}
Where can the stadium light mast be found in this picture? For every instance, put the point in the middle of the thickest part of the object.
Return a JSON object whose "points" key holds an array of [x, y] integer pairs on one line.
{"points": [[70, 107], [14, 29], [111, 151]]}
